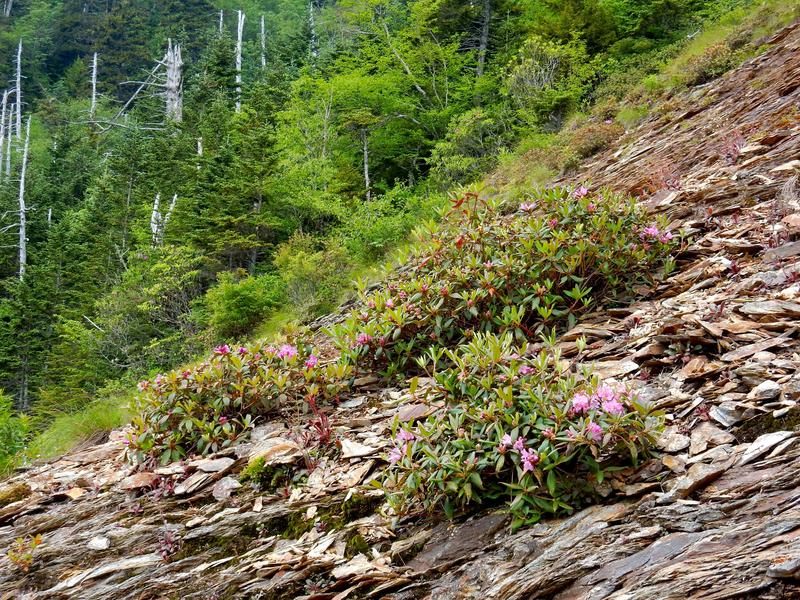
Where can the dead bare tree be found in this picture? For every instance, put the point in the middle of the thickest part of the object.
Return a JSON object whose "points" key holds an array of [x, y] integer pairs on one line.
{"points": [[3, 126], [263, 45], [173, 86], [158, 221], [9, 136], [23, 210], [8, 4], [19, 90], [312, 24], [221, 20], [239, 32], [93, 106]]}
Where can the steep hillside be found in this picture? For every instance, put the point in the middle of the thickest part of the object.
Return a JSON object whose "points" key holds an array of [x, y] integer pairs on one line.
{"points": [[714, 515]]}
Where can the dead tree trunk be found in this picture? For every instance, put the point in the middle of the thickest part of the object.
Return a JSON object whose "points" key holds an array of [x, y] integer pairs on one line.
{"points": [[7, 8], [93, 106], [158, 221], [19, 90], [239, 32], [221, 21], [484, 42], [263, 45], [3, 126], [9, 136], [23, 210], [367, 183], [312, 24], [173, 87]]}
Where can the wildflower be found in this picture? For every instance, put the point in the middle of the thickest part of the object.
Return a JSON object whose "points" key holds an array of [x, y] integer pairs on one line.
{"points": [[371, 303], [594, 431], [406, 436], [548, 433], [527, 206], [271, 351], [529, 460], [223, 420], [186, 374], [143, 385], [396, 455], [519, 445], [488, 264], [591, 207], [506, 440], [613, 407], [581, 192], [525, 370], [363, 339], [608, 121], [605, 393], [312, 361], [287, 351], [242, 351], [666, 237], [553, 222], [390, 303], [650, 232], [581, 403], [222, 350]]}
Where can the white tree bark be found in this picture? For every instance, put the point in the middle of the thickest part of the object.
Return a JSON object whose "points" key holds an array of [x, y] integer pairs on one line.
{"points": [[158, 222], [3, 111], [7, 8], [93, 106], [19, 90], [9, 136], [173, 87], [23, 210], [312, 24], [239, 32], [221, 21], [263, 45], [367, 183]]}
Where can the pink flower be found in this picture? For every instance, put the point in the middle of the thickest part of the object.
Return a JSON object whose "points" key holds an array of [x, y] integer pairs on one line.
{"points": [[186, 374], [666, 237], [553, 222], [363, 339], [223, 420], [527, 206], [405, 436], [613, 407], [649, 232], [519, 445], [506, 440], [395, 455], [371, 304], [581, 192], [222, 350], [287, 351], [242, 350], [312, 361], [143, 385], [525, 370], [608, 121], [529, 460], [581, 403], [271, 350], [591, 207], [548, 433], [605, 392], [594, 431]]}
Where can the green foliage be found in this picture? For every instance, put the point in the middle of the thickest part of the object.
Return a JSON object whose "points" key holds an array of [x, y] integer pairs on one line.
{"points": [[563, 253], [518, 426], [14, 431], [21, 554], [237, 304], [211, 406]]}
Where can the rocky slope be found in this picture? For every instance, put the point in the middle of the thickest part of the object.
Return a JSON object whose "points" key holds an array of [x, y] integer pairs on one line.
{"points": [[715, 515]]}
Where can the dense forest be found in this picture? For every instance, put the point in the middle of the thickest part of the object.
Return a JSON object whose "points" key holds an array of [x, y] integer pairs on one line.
{"points": [[184, 173]]}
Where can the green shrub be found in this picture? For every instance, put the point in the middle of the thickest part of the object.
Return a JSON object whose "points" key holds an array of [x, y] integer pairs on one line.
{"points": [[561, 254], [14, 431], [238, 303], [593, 137], [712, 63], [315, 273], [211, 406], [516, 427]]}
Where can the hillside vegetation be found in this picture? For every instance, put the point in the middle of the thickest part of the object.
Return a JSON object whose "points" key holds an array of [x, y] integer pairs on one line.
{"points": [[355, 121]]}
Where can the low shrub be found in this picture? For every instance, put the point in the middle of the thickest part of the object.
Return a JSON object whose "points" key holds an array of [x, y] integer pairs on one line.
{"points": [[14, 431], [715, 61], [593, 137], [517, 427], [214, 404], [238, 303], [559, 255]]}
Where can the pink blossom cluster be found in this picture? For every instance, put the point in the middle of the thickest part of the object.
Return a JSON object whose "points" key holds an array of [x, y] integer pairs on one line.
{"points": [[401, 445], [529, 458], [652, 233], [362, 339], [605, 396], [527, 206], [287, 351], [581, 192], [222, 350], [311, 361]]}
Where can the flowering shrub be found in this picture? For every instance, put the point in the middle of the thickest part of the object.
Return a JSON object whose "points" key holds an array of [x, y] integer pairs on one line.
{"points": [[558, 256], [209, 407], [516, 427]]}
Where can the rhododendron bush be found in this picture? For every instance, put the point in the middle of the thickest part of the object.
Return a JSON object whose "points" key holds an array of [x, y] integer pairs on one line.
{"points": [[518, 427], [562, 253], [212, 405]]}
